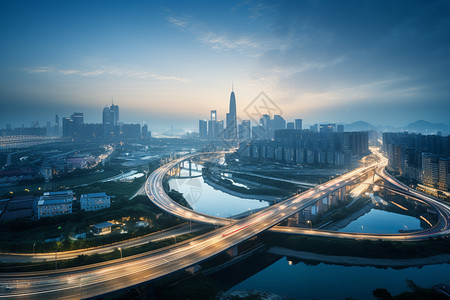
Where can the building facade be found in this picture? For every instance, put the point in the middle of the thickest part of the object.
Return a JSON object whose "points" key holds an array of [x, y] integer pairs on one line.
{"points": [[55, 203], [95, 201]]}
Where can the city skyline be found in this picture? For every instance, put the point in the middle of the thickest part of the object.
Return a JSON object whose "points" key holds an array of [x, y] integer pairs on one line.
{"points": [[171, 63]]}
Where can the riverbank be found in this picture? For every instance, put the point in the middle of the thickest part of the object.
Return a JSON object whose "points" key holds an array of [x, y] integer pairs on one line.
{"points": [[238, 194], [335, 226], [361, 261]]}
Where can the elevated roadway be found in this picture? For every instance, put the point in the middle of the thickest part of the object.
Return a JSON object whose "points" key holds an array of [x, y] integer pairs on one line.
{"points": [[156, 193], [98, 279], [94, 280]]}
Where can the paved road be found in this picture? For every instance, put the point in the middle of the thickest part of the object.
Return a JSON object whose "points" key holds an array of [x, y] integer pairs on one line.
{"points": [[94, 280], [299, 183], [157, 194], [170, 233]]}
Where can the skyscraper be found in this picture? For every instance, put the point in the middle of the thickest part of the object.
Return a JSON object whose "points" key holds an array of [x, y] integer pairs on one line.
{"points": [[278, 122], [110, 120], [231, 130], [298, 124], [67, 127], [56, 128], [114, 114], [107, 123], [202, 129], [245, 130], [212, 125]]}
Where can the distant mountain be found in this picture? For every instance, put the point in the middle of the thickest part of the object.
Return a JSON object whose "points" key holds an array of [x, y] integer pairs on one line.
{"points": [[359, 126], [426, 127], [420, 126]]}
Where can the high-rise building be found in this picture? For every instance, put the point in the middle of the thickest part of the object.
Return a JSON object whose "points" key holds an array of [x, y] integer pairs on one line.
{"points": [[340, 128], [314, 128], [212, 125], [202, 129], [77, 118], [278, 122], [290, 125], [107, 122], [67, 127], [110, 121], [56, 128], [231, 119], [266, 129], [327, 128], [220, 129], [114, 114], [430, 169], [77, 122], [444, 173], [144, 131], [298, 124], [130, 131], [245, 130]]}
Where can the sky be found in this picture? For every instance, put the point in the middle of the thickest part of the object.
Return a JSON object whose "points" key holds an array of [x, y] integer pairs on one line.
{"points": [[171, 62]]}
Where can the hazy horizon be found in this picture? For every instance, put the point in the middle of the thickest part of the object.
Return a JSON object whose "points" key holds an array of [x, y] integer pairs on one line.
{"points": [[170, 63]]}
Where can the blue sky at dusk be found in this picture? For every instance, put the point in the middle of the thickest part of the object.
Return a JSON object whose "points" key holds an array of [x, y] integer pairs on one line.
{"points": [[171, 62]]}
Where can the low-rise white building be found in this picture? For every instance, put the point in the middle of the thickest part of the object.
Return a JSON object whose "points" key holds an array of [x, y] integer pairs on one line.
{"points": [[95, 201], [55, 203]]}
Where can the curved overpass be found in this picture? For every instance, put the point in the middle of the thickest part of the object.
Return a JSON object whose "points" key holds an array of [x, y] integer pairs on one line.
{"points": [[98, 279], [95, 280], [157, 195]]}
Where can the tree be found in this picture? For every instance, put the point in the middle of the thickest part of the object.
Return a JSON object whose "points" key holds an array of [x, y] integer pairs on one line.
{"points": [[382, 294]]}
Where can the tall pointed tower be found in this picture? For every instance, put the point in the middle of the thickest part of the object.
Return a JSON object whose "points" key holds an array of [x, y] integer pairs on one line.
{"points": [[232, 118]]}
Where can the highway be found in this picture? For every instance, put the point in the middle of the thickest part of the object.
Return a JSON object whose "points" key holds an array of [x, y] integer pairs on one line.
{"points": [[93, 280], [98, 279], [156, 193], [170, 233]]}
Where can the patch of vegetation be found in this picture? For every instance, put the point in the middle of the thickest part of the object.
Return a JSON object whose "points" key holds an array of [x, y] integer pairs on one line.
{"points": [[82, 259], [175, 195], [21, 236], [416, 293], [276, 188]]}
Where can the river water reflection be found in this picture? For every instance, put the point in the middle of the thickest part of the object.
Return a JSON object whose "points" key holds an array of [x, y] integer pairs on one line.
{"points": [[380, 221], [321, 281], [208, 200], [325, 281]]}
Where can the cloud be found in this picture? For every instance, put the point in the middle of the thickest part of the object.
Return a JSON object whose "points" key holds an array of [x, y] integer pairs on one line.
{"points": [[40, 70], [177, 22], [220, 42], [111, 70], [68, 72], [216, 41]]}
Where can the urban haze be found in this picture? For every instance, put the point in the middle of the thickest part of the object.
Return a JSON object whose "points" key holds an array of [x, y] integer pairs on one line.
{"points": [[224, 150]]}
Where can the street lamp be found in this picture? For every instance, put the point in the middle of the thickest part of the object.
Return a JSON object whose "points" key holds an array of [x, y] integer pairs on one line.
{"points": [[33, 248], [120, 249], [56, 255], [310, 223], [174, 238]]}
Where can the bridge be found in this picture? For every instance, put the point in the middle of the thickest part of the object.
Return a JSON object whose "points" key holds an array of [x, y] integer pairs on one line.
{"points": [[354, 184], [102, 278]]}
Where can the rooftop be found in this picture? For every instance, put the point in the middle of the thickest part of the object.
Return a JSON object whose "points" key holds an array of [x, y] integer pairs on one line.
{"points": [[103, 225], [53, 201], [102, 194]]}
